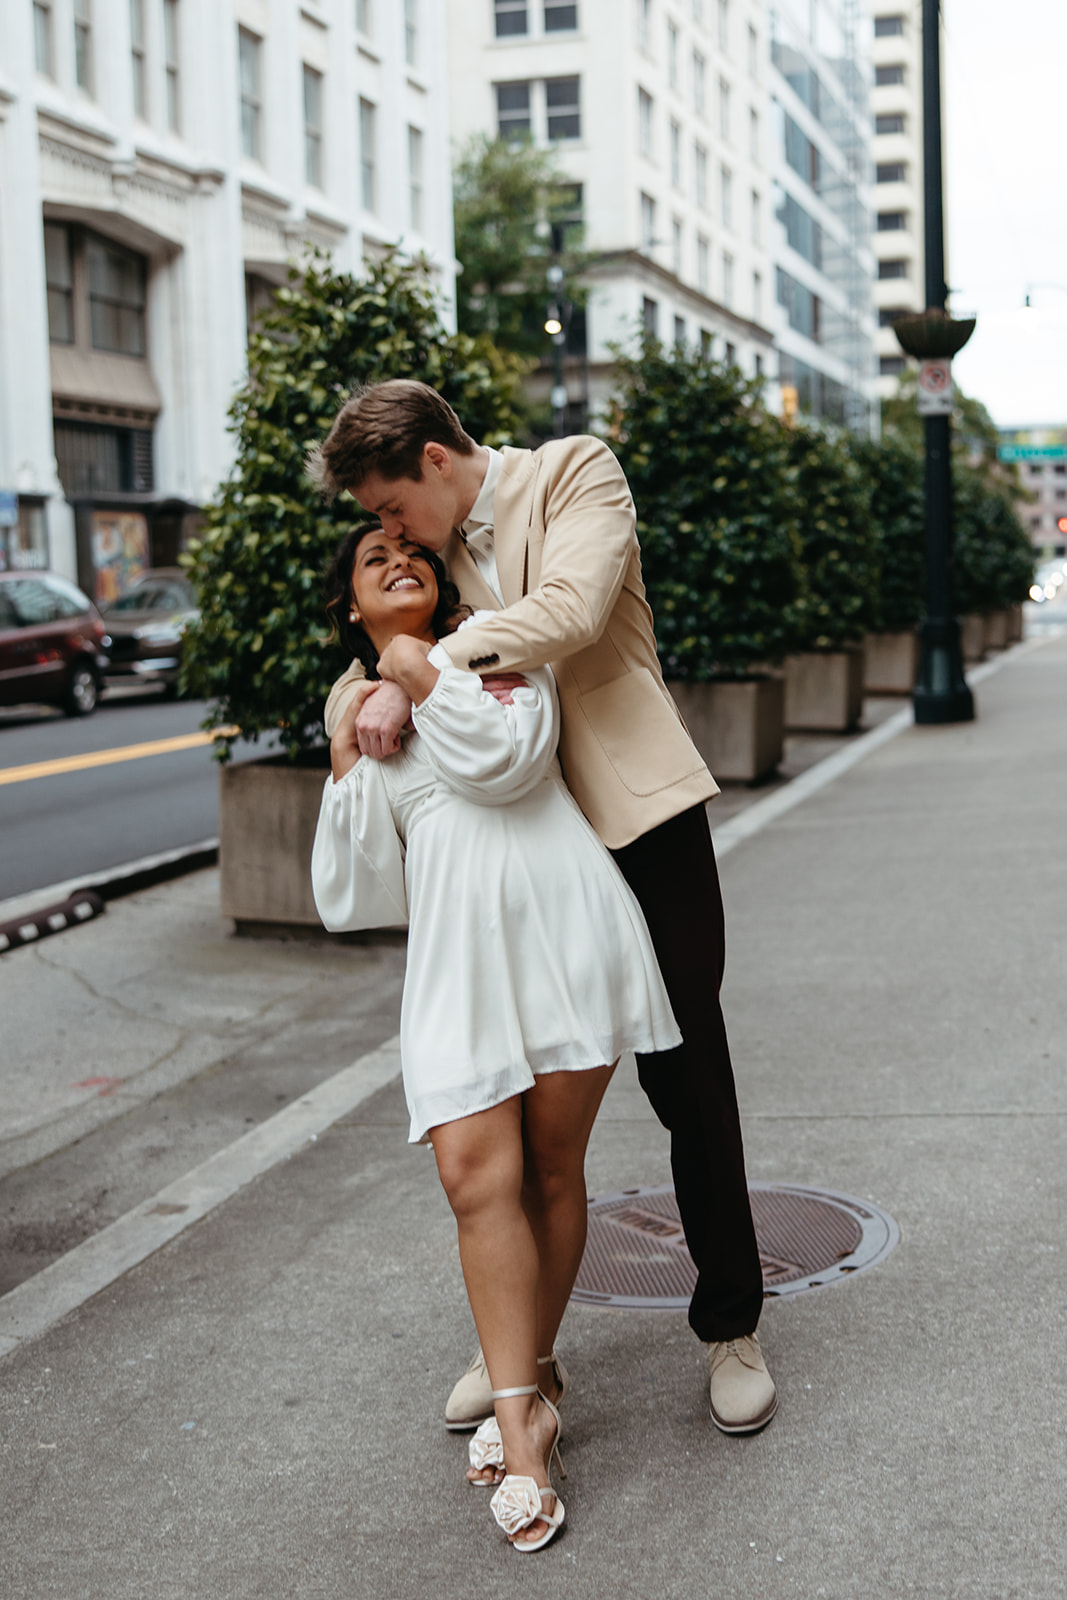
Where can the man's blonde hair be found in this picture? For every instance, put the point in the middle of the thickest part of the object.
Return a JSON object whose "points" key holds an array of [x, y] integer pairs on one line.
{"points": [[384, 427]]}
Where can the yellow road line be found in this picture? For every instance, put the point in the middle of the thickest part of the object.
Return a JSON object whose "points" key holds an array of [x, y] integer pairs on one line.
{"points": [[107, 758]]}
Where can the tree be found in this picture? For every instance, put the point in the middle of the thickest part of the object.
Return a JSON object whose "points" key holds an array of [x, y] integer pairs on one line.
{"points": [[507, 197], [716, 513], [261, 650]]}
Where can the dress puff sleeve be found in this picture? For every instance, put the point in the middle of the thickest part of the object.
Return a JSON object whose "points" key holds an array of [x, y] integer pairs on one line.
{"points": [[487, 752], [357, 861]]}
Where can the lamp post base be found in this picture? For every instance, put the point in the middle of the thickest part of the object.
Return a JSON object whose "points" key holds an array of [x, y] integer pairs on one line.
{"points": [[942, 693]]}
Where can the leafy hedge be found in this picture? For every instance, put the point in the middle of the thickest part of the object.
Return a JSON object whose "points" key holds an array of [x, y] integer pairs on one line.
{"points": [[898, 513], [260, 650], [838, 538]]}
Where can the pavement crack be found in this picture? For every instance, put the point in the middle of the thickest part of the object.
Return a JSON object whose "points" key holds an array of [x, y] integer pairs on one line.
{"points": [[97, 994]]}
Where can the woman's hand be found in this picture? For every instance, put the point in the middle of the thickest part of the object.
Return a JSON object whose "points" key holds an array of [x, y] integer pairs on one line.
{"points": [[403, 661]]}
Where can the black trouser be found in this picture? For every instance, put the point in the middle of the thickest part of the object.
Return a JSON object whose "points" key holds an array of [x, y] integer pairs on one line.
{"points": [[672, 872]]}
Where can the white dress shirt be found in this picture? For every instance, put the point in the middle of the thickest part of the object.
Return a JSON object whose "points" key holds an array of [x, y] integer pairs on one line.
{"points": [[478, 531]]}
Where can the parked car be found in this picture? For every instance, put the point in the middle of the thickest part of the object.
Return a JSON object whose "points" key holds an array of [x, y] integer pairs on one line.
{"points": [[145, 626], [51, 643]]}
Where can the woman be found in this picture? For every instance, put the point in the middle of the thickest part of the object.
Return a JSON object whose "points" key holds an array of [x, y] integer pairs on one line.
{"points": [[529, 971]]}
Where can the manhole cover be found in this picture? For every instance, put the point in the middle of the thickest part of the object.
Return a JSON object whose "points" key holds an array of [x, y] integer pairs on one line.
{"points": [[636, 1255]]}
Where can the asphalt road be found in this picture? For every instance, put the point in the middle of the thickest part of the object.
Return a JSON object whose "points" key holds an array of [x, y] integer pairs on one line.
{"points": [[56, 826]]}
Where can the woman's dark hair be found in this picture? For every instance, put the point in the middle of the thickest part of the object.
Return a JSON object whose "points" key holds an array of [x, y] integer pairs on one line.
{"points": [[338, 592]]}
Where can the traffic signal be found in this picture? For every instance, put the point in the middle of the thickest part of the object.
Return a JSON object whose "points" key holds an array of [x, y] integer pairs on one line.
{"points": [[1061, 523]]}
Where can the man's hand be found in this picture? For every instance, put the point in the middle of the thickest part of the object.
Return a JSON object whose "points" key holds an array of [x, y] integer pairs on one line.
{"points": [[501, 684], [381, 717], [344, 746]]}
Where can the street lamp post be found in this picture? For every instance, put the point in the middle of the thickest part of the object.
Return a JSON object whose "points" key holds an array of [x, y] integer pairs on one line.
{"points": [[556, 328], [941, 693]]}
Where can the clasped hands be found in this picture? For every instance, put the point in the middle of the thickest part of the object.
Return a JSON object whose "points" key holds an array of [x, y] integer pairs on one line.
{"points": [[379, 712]]}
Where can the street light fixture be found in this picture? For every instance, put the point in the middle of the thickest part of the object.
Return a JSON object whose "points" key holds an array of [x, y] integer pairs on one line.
{"points": [[933, 337]]}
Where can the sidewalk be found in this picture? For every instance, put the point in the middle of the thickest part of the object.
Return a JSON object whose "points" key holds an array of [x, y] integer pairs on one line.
{"points": [[254, 1410]]}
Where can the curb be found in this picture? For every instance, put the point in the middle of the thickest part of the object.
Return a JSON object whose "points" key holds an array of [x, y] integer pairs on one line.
{"points": [[110, 883]]}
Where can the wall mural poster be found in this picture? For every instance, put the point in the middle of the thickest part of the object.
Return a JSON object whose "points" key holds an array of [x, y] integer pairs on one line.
{"points": [[120, 552]]}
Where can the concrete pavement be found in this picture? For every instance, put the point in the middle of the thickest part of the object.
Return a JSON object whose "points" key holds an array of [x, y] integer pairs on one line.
{"points": [[254, 1410]]}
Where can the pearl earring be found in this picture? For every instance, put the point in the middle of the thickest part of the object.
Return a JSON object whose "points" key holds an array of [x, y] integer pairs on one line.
{"points": [[353, 616]]}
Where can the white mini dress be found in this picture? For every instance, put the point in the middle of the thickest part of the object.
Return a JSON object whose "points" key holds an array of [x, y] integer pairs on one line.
{"points": [[527, 951]]}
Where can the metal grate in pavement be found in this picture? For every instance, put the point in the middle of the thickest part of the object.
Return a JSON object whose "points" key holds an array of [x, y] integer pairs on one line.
{"points": [[635, 1255]]}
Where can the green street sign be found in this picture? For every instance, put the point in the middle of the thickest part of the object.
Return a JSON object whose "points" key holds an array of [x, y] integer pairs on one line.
{"points": [[1032, 452]]}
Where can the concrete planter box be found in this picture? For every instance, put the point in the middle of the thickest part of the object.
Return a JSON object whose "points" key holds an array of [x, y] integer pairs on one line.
{"points": [[972, 637], [737, 726], [890, 662], [996, 630], [267, 816], [824, 690], [1015, 624]]}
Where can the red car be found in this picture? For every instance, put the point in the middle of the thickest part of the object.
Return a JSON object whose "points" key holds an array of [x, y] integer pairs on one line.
{"points": [[51, 643]]}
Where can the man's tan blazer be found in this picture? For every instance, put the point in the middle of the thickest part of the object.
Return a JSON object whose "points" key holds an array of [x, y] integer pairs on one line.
{"points": [[570, 573]]}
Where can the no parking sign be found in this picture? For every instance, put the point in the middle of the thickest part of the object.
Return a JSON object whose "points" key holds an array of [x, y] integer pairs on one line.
{"points": [[936, 398]]}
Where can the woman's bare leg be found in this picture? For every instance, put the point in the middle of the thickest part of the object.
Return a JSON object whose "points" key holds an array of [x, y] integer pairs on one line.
{"points": [[480, 1162], [558, 1116]]}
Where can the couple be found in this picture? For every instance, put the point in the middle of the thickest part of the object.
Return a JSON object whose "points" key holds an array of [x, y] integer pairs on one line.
{"points": [[530, 954]]}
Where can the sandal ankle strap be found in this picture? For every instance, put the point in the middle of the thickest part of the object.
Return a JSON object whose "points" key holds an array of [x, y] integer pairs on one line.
{"points": [[508, 1394]]}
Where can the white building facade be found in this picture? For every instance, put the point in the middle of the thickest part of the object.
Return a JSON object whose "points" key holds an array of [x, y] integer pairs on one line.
{"points": [[824, 264], [898, 156], [161, 163], [659, 112]]}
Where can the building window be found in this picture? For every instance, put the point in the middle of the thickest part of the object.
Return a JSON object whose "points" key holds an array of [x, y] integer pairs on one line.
{"points": [[802, 308], [513, 111], [756, 208], [705, 344], [648, 221], [698, 83], [802, 233], [650, 317], [753, 133], [892, 269], [172, 59], [753, 52], [885, 77], [802, 155], [888, 314], [889, 172], [724, 26], [42, 37], [679, 332], [313, 127], [137, 55], [560, 17], [730, 354], [724, 109], [700, 174], [757, 297], [888, 27], [367, 141], [676, 155], [890, 366], [672, 55], [83, 45], [727, 278], [59, 275], [726, 190], [564, 109], [893, 122], [117, 279], [91, 459], [415, 177], [702, 263], [644, 122], [510, 18], [249, 50], [758, 367], [892, 221], [642, 11], [676, 247], [411, 32], [364, 19]]}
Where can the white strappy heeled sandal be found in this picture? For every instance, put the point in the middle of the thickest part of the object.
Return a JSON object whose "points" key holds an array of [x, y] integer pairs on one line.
{"points": [[486, 1448], [519, 1501]]}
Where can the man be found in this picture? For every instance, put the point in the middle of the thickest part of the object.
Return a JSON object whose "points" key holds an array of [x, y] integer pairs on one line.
{"points": [[547, 540]]}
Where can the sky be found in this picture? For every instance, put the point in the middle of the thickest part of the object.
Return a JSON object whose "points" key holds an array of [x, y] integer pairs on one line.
{"points": [[1005, 131]]}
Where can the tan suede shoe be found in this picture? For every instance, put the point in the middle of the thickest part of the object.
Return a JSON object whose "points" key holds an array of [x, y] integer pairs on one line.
{"points": [[471, 1401], [743, 1396]]}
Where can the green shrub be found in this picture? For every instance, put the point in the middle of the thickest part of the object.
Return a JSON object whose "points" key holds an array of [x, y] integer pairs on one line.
{"points": [[716, 510], [898, 512], [839, 547], [261, 648], [994, 559]]}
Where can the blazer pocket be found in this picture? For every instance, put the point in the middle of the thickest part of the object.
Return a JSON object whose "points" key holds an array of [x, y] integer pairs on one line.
{"points": [[640, 733]]}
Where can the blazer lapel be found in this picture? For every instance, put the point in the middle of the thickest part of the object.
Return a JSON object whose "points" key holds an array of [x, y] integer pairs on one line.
{"points": [[463, 570], [512, 513]]}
